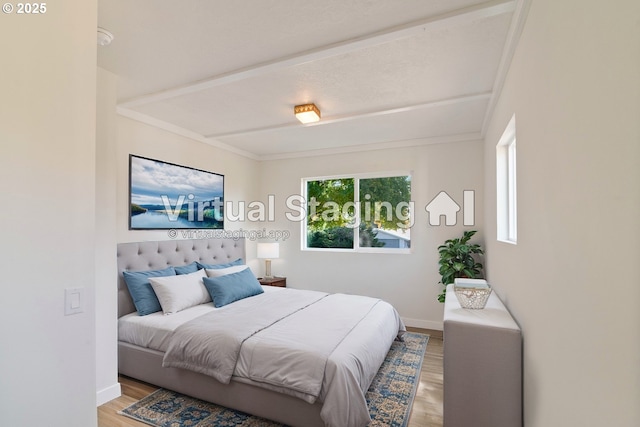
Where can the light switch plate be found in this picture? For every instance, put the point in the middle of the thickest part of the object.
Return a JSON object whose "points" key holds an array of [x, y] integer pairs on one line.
{"points": [[73, 301]]}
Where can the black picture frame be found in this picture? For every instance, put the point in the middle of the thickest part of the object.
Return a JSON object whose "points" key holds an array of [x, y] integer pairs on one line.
{"points": [[167, 196]]}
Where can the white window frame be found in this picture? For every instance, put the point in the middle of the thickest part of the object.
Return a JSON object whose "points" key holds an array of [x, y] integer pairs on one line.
{"points": [[506, 185], [356, 189]]}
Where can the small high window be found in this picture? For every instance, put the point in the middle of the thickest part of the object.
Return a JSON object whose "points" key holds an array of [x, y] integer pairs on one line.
{"points": [[506, 195]]}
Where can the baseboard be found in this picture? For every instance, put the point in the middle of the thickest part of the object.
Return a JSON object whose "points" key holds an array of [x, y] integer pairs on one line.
{"points": [[424, 324], [107, 394]]}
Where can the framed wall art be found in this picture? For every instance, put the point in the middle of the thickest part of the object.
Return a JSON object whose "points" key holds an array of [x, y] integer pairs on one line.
{"points": [[164, 196]]}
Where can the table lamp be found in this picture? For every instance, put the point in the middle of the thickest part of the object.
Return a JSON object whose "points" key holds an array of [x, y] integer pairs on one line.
{"points": [[268, 251]]}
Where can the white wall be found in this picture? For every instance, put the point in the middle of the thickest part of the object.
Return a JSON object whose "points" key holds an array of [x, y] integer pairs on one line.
{"points": [[241, 174], [570, 281], [47, 181], [118, 137], [107, 385], [409, 282]]}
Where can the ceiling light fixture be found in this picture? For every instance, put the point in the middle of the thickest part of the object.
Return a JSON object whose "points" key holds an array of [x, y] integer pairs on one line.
{"points": [[307, 113], [104, 37]]}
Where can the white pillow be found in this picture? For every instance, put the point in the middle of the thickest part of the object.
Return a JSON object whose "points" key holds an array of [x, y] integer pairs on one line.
{"points": [[177, 293], [217, 272]]}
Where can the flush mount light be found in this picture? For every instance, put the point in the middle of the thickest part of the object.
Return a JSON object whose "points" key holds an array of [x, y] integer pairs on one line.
{"points": [[104, 37], [307, 113]]}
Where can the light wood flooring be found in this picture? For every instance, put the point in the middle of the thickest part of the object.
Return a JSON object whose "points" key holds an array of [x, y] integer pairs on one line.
{"points": [[426, 411]]}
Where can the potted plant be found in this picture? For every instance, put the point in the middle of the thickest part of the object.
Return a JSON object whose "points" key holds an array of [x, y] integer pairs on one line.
{"points": [[457, 260]]}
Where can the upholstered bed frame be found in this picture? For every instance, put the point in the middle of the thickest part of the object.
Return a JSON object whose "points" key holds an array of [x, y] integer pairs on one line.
{"points": [[146, 365]]}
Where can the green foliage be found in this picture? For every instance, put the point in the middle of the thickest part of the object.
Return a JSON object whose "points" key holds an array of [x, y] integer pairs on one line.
{"points": [[335, 237], [342, 238], [378, 200], [457, 260], [137, 209], [368, 237], [330, 195], [392, 190]]}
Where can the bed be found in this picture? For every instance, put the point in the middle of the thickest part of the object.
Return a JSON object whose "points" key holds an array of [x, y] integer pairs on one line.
{"points": [[269, 371]]}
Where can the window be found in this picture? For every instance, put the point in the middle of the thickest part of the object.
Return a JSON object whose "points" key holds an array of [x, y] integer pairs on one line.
{"points": [[361, 213], [506, 185]]}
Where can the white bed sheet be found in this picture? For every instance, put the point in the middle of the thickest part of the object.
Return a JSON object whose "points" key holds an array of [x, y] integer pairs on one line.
{"points": [[154, 330]]}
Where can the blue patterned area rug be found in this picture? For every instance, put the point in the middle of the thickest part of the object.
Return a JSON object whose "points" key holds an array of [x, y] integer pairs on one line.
{"points": [[389, 398]]}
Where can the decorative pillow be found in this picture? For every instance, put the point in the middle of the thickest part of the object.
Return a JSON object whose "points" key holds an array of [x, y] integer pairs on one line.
{"points": [[225, 265], [141, 291], [189, 268], [217, 272], [176, 293], [232, 287]]}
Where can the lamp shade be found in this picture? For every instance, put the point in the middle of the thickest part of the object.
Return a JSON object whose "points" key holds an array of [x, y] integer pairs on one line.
{"points": [[268, 250]]}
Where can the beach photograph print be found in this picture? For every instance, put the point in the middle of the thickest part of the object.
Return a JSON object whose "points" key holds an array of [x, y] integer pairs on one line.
{"points": [[164, 196]]}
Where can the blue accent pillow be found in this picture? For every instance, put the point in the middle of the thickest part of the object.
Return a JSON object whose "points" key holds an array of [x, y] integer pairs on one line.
{"points": [[187, 269], [232, 287], [214, 266], [144, 298]]}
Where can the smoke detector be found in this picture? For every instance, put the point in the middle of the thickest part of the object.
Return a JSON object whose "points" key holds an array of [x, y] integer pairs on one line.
{"points": [[104, 37]]}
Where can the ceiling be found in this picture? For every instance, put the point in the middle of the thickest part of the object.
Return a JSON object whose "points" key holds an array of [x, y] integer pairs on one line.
{"points": [[384, 73]]}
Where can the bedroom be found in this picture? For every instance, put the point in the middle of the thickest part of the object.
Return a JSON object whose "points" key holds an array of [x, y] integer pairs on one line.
{"points": [[577, 106]]}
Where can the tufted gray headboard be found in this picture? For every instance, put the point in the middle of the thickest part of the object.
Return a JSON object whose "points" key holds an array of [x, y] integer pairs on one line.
{"points": [[141, 256]]}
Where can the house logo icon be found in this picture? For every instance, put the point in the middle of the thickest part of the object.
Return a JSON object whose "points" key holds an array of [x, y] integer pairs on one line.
{"points": [[445, 205]]}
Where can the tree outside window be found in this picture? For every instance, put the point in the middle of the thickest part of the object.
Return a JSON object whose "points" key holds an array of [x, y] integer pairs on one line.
{"points": [[359, 212]]}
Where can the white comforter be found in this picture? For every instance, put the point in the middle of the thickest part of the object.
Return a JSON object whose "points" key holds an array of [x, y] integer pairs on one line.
{"points": [[307, 344]]}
